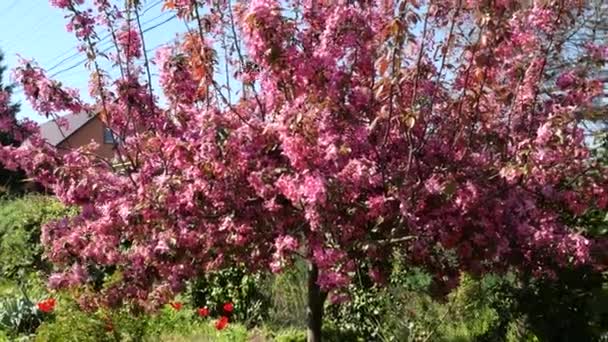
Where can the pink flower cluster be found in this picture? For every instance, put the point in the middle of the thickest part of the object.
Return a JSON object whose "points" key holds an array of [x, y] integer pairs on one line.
{"points": [[65, 3], [82, 24], [129, 41], [46, 96]]}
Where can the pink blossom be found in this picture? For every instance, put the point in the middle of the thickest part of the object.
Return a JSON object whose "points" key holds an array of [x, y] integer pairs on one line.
{"points": [[544, 133], [332, 280], [65, 3], [82, 24], [542, 18], [377, 206], [433, 185], [327, 257], [289, 188], [566, 80], [596, 51], [313, 189], [129, 41], [162, 247], [286, 243]]}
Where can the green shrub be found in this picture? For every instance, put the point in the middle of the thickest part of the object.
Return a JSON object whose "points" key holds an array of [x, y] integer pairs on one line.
{"points": [[291, 335], [299, 335], [19, 316], [72, 324], [247, 292], [574, 307], [378, 313], [362, 315], [20, 222], [170, 321], [206, 332]]}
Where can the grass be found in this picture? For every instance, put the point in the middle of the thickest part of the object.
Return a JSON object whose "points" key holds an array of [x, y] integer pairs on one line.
{"points": [[207, 332], [7, 288], [289, 296]]}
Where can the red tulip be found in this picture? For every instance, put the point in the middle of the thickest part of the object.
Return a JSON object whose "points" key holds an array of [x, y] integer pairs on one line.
{"points": [[228, 307], [221, 323], [176, 306], [203, 312], [47, 305]]}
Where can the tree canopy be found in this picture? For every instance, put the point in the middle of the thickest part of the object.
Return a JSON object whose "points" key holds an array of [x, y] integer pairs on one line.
{"points": [[345, 132], [9, 180]]}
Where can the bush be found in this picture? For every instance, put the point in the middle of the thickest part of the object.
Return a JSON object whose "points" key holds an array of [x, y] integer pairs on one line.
{"points": [[20, 222], [572, 308], [375, 313], [19, 316], [72, 324], [292, 335], [246, 291], [206, 332], [362, 316]]}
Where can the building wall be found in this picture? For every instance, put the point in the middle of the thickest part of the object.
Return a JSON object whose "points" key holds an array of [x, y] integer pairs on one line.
{"points": [[92, 130]]}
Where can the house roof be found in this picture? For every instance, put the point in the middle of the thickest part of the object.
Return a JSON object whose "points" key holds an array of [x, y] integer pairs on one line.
{"points": [[54, 135]]}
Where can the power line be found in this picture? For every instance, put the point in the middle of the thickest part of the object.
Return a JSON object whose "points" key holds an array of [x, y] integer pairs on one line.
{"points": [[10, 7], [20, 89], [101, 40], [163, 14], [78, 72], [104, 38], [110, 47], [150, 7]]}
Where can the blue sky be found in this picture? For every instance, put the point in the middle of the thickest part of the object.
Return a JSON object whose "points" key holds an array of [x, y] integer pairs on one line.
{"points": [[35, 30]]}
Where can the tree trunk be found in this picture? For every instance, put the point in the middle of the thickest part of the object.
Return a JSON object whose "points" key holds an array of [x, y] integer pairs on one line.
{"points": [[316, 299]]}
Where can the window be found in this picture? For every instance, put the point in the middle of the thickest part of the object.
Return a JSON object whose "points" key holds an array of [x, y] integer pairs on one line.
{"points": [[108, 136]]}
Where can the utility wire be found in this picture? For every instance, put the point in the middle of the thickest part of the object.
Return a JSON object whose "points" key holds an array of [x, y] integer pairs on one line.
{"points": [[10, 7], [103, 39], [110, 47], [150, 7]]}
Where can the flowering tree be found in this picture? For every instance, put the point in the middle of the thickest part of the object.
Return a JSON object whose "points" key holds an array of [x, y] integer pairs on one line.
{"points": [[8, 110], [9, 180], [345, 132]]}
